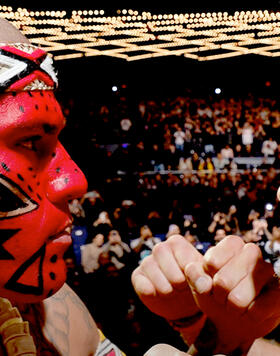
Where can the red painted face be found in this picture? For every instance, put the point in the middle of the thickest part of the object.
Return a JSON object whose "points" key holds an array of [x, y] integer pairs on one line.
{"points": [[37, 179]]}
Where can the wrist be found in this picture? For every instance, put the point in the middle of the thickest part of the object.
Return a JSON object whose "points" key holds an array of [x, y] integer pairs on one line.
{"points": [[233, 350], [186, 321], [210, 342], [189, 327]]}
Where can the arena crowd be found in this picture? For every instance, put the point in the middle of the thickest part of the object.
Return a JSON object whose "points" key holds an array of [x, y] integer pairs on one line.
{"points": [[204, 167]]}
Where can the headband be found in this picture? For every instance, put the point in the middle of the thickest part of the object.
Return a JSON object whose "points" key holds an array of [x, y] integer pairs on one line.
{"points": [[25, 67]]}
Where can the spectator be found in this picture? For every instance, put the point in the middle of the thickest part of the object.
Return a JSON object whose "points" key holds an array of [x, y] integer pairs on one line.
{"points": [[173, 229], [103, 223], [144, 244], [207, 164], [232, 219], [219, 222], [220, 234], [180, 137], [227, 152], [247, 134], [77, 211], [192, 162], [220, 162], [118, 250], [91, 252], [269, 147], [92, 203], [272, 248], [171, 157], [156, 158]]}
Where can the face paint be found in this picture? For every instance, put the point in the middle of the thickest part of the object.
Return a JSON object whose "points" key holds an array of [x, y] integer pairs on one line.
{"points": [[25, 67], [37, 179]]}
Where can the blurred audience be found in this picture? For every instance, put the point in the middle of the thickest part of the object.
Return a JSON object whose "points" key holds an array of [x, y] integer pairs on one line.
{"points": [[201, 167], [143, 245]]}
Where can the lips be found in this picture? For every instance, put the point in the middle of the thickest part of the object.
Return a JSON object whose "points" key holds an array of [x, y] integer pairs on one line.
{"points": [[62, 237]]}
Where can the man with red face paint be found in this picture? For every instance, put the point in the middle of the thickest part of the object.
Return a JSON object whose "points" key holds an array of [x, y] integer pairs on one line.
{"points": [[37, 179]]}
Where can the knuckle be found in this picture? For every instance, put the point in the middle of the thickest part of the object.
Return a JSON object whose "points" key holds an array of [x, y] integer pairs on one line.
{"points": [[174, 239], [158, 248], [211, 259], [237, 300], [221, 281], [252, 250], [234, 240], [146, 262], [135, 272]]}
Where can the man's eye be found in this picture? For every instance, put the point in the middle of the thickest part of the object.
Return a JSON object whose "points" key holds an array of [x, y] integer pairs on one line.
{"points": [[30, 143]]}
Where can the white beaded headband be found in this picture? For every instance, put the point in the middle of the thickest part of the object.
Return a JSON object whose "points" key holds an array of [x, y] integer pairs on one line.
{"points": [[25, 67]]}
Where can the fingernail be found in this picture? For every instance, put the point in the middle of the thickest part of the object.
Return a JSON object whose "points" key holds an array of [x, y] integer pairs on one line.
{"points": [[202, 285]]}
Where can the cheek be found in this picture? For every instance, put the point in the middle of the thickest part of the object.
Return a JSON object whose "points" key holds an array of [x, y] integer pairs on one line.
{"points": [[31, 267], [54, 269], [21, 169]]}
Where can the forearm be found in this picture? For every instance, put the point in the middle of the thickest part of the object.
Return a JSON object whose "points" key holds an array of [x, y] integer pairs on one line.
{"points": [[189, 327], [138, 247], [212, 227], [202, 337], [207, 340]]}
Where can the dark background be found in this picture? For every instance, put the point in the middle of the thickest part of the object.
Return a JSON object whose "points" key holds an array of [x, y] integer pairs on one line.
{"points": [[170, 75]]}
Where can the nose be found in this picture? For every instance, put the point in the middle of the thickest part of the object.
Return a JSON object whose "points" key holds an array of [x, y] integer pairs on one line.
{"points": [[65, 179]]}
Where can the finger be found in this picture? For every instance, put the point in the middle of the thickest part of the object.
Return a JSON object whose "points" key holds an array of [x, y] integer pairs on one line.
{"points": [[169, 266], [142, 284], [215, 258], [247, 290], [200, 282], [237, 268], [152, 271], [183, 251]]}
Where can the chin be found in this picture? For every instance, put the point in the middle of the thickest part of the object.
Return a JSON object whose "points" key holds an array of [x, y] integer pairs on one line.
{"points": [[47, 286]]}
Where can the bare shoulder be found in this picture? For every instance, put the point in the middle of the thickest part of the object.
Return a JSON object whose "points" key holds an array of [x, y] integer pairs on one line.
{"points": [[62, 325]]}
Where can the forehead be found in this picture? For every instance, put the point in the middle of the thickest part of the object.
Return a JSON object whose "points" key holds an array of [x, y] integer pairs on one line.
{"points": [[25, 111]]}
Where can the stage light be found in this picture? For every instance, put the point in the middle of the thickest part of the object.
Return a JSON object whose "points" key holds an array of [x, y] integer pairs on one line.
{"points": [[126, 32], [269, 207], [114, 88], [218, 91]]}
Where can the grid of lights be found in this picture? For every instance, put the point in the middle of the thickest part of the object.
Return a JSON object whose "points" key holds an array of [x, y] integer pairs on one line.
{"points": [[131, 35]]}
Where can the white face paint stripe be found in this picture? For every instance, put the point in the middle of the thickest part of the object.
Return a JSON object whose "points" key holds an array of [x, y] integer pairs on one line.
{"points": [[47, 66], [10, 67], [28, 204], [13, 68]]}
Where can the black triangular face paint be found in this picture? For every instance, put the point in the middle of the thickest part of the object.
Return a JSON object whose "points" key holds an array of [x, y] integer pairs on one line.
{"points": [[13, 200], [6, 234], [37, 289]]}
